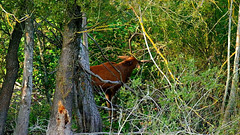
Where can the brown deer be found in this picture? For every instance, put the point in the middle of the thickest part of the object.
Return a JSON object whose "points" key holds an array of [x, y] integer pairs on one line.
{"points": [[114, 72]]}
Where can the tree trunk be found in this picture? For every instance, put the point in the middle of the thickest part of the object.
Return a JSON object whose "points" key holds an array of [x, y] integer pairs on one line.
{"points": [[12, 67], [25, 104], [228, 63], [91, 119], [64, 83], [65, 74], [233, 94]]}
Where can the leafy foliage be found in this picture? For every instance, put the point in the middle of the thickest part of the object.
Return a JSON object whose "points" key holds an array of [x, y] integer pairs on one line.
{"points": [[191, 35]]}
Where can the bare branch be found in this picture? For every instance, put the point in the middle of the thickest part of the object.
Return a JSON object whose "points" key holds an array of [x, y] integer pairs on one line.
{"points": [[130, 40], [228, 58], [97, 76], [106, 58]]}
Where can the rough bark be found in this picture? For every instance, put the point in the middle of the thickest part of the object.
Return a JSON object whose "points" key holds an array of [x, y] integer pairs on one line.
{"points": [[26, 91], [229, 112], [12, 67], [62, 120], [65, 75], [91, 119], [64, 83]]}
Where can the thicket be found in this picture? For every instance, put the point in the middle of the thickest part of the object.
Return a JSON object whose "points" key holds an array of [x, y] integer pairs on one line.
{"points": [[190, 35]]}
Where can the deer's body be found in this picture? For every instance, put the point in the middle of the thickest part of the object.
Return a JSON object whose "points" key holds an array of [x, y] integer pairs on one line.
{"points": [[107, 71]]}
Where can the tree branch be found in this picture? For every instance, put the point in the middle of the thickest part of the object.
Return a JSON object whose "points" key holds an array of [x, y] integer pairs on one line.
{"points": [[97, 76]]}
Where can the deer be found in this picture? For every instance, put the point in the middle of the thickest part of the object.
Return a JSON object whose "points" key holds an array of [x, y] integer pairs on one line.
{"points": [[114, 72]]}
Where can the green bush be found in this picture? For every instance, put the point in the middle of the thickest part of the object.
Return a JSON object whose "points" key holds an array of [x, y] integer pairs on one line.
{"points": [[191, 105]]}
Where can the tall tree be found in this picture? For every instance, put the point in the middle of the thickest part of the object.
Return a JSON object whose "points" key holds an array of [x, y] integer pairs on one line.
{"points": [[12, 67], [65, 74], [228, 59], [23, 115], [233, 93], [91, 119]]}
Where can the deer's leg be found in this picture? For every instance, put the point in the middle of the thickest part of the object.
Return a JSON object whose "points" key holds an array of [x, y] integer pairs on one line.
{"points": [[109, 98], [113, 100]]}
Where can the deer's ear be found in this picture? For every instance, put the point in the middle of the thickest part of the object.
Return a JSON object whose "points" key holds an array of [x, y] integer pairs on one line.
{"points": [[123, 57]]}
